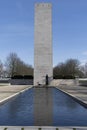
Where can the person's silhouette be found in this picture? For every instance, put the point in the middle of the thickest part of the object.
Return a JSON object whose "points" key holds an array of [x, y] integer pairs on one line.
{"points": [[46, 79]]}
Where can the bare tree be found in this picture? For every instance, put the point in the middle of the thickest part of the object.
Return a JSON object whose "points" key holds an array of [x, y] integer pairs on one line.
{"points": [[70, 67], [11, 63], [1, 68], [83, 68], [15, 66]]}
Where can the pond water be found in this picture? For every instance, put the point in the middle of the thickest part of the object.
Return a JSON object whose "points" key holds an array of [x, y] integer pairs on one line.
{"points": [[43, 107]]}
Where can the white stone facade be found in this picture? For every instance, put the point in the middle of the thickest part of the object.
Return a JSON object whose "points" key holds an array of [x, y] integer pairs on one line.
{"points": [[43, 43]]}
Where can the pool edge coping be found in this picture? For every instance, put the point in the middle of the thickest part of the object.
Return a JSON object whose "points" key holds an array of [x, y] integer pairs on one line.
{"points": [[45, 127]]}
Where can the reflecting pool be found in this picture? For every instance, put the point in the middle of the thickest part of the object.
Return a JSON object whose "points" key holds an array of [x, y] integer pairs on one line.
{"points": [[43, 107]]}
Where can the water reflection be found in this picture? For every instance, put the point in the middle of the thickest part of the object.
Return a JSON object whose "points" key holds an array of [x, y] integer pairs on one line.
{"points": [[18, 111], [43, 107], [66, 111]]}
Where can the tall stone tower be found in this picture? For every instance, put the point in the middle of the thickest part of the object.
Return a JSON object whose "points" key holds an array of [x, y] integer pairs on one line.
{"points": [[43, 43]]}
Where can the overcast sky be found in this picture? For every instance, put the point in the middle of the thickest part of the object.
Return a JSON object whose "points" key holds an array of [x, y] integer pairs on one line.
{"points": [[69, 29]]}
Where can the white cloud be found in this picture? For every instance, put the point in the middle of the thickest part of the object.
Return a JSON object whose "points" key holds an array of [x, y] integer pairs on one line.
{"points": [[84, 53], [83, 62]]}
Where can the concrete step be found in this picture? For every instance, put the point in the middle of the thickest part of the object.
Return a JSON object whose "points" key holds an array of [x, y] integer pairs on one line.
{"points": [[40, 128]]}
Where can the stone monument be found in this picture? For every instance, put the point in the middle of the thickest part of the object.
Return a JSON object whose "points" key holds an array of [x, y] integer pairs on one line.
{"points": [[43, 43]]}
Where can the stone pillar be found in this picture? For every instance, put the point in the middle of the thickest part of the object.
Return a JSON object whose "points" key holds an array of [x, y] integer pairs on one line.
{"points": [[43, 43]]}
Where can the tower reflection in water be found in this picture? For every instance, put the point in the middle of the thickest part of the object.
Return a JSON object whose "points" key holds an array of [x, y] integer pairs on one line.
{"points": [[43, 107]]}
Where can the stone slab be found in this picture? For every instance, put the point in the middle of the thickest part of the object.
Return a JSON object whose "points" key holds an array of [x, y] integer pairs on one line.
{"points": [[37, 128]]}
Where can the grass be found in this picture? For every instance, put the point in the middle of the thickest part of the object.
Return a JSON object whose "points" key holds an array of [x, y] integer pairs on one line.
{"points": [[22, 128], [39, 128], [5, 128]]}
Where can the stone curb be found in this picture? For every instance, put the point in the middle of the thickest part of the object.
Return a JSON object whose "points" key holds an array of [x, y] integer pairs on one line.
{"points": [[40, 128]]}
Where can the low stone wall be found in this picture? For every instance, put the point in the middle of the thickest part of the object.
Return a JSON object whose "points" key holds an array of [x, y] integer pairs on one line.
{"points": [[4, 81], [67, 82], [83, 82], [16, 81], [21, 81]]}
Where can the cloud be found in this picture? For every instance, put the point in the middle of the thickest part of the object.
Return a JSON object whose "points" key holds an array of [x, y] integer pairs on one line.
{"points": [[84, 53], [83, 62]]}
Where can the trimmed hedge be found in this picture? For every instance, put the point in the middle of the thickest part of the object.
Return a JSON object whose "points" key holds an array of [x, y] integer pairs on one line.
{"points": [[17, 77], [63, 77], [28, 77], [22, 77]]}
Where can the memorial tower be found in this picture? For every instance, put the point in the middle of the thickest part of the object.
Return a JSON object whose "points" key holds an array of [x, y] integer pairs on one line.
{"points": [[43, 43]]}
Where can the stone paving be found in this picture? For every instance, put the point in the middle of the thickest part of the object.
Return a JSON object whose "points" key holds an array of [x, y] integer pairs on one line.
{"points": [[40, 128]]}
